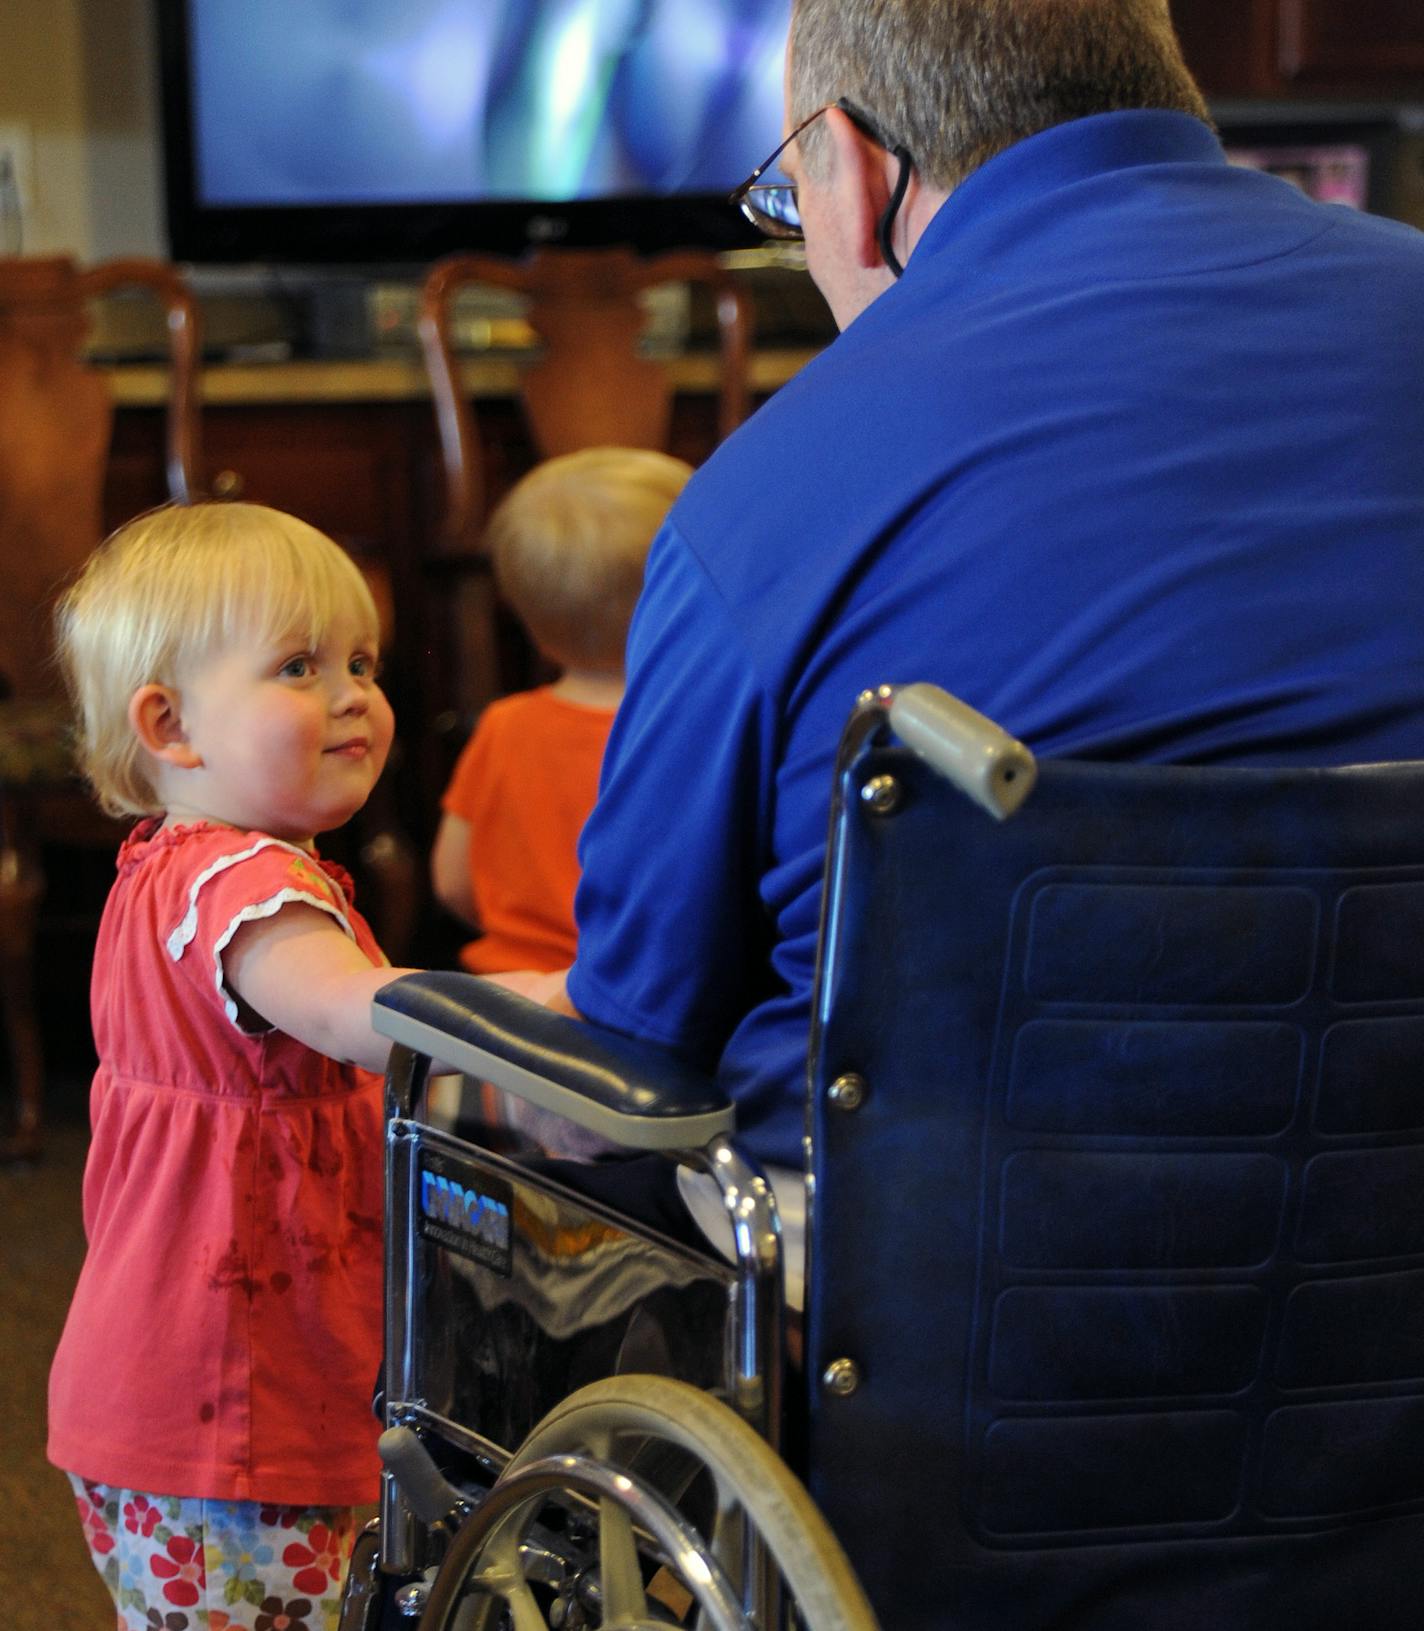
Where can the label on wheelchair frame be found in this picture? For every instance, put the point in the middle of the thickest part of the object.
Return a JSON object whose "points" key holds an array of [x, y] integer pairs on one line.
{"points": [[470, 1216]]}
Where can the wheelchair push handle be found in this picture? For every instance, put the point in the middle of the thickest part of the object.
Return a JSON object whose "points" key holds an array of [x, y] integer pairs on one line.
{"points": [[980, 758]]}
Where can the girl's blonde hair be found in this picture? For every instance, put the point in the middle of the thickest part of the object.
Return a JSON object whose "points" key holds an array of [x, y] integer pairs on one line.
{"points": [[171, 588], [569, 543]]}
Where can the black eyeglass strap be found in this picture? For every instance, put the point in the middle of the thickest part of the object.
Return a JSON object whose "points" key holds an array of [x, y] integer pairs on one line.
{"points": [[887, 220]]}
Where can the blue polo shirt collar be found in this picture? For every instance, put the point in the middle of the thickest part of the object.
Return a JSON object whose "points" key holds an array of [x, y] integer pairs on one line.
{"points": [[1058, 157]]}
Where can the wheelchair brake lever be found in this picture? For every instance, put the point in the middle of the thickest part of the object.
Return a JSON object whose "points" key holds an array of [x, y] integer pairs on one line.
{"points": [[432, 1497]]}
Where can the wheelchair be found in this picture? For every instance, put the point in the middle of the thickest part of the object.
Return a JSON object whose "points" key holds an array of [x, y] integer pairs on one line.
{"points": [[1115, 1242]]}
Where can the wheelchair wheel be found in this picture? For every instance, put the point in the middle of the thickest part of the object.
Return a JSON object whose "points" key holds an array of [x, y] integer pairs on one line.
{"points": [[639, 1446]]}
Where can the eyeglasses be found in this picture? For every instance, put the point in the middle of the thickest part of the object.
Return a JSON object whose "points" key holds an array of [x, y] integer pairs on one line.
{"points": [[773, 208]]}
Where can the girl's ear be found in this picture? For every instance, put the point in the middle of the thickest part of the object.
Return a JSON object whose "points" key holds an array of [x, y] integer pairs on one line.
{"points": [[157, 722]]}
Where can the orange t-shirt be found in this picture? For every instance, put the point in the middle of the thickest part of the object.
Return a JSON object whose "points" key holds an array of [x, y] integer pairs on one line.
{"points": [[525, 783]]}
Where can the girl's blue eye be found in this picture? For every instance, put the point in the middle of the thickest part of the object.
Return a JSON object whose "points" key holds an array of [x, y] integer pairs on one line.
{"points": [[296, 668], [365, 667]]}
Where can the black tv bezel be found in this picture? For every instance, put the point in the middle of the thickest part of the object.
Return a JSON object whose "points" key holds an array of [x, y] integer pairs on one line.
{"points": [[342, 234]]}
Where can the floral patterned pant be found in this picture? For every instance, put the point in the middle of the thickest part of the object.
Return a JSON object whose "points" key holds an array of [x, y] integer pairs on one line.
{"points": [[191, 1565]]}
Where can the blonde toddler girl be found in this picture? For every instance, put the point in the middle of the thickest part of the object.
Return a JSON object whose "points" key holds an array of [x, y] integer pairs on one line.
{"points": [[210, 1398]]}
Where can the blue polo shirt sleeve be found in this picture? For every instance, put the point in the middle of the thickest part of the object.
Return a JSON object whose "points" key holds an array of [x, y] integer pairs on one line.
{"points": [[673, 936]]}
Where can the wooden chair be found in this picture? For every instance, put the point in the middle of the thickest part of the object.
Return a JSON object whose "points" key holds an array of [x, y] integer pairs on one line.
{"points": [[55, 422], [588, 387]]}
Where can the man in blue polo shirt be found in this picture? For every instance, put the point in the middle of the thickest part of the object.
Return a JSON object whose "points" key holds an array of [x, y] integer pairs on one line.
{"points": [[1131, 458]]}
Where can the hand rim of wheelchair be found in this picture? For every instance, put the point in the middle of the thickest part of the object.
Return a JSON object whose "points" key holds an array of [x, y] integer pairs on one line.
{"points": [[749, 1477], [498, 1528]]}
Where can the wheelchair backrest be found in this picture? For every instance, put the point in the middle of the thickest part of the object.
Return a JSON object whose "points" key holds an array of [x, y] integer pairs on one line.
{"points": [[1116, 1308]]}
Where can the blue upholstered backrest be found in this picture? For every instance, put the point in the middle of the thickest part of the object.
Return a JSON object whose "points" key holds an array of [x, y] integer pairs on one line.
{"points": [[1127, 1239]]}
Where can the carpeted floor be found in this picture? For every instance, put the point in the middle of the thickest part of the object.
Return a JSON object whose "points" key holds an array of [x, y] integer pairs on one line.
{"points": [[47, 1582]]}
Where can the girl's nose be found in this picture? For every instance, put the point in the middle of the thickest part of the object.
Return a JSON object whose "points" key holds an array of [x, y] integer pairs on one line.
{"points": [[350, 696]]}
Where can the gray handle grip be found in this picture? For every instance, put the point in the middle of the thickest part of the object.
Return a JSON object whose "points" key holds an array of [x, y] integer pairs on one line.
{"points": [[983, 761]]}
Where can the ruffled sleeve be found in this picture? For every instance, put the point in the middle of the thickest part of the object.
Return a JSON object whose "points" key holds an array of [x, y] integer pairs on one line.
{"points": [[246, 877]]}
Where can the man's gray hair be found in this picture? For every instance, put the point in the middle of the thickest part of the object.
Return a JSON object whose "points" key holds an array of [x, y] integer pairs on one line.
{"points": [[957, 81]]}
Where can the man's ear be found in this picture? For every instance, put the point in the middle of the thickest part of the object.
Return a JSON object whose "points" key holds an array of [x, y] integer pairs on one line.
{"points": [[157, 721], [862, 181]]}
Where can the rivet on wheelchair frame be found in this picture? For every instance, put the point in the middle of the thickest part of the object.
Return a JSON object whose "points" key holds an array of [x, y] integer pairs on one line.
{"points": [[847, 1092], [841, 1377], [882, 794], [411, 1599]]}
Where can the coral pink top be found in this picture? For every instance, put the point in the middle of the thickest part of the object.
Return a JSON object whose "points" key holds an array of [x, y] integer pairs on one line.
{"points": [[225, 1333], [526, 782]]}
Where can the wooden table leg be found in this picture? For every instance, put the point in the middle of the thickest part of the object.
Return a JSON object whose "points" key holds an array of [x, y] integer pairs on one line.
{"points": [[21, 889]]}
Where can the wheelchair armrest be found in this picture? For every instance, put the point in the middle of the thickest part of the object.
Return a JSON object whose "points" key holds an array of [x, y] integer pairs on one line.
{"points": [[632, 1092]]}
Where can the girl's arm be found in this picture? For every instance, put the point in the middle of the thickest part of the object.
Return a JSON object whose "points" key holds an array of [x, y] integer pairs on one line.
{"points": [[300, 972]]}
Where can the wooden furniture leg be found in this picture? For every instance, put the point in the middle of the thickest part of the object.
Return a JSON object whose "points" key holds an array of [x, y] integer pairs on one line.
{"points": [[21, 890]]}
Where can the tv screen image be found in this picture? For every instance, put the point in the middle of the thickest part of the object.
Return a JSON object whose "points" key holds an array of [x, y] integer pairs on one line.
{"points": [[397, 129]]}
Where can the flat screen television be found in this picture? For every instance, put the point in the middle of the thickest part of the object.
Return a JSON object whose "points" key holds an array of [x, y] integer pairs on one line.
{"points": [[387, 132]]}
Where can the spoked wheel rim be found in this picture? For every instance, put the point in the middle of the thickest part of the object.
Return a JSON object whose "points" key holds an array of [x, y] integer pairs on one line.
{"points": [[590, 1445]]}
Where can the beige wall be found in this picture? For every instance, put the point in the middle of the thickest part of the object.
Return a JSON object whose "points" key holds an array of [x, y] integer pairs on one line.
{"points": [[78, 77]]}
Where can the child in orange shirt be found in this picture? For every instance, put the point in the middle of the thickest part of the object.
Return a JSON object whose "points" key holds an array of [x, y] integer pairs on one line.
{"points": [[568, 545]]}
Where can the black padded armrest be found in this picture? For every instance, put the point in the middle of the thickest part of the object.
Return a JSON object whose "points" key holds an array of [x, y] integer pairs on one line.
{"points": [[632, 1092]]}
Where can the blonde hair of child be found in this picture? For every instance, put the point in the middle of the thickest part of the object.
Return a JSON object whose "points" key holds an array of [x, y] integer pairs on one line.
{"points": [[171, 588], [569, 543]]}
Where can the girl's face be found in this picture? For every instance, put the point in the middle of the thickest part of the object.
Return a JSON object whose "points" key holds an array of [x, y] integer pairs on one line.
{"points": [[288, 739]]}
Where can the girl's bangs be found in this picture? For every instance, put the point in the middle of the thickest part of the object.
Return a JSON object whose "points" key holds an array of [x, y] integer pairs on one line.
{"points": [[281, 586]]}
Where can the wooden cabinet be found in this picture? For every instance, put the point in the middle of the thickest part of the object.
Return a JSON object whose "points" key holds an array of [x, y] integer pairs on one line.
{"points": [[1345, 42], [1249, 48]]}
